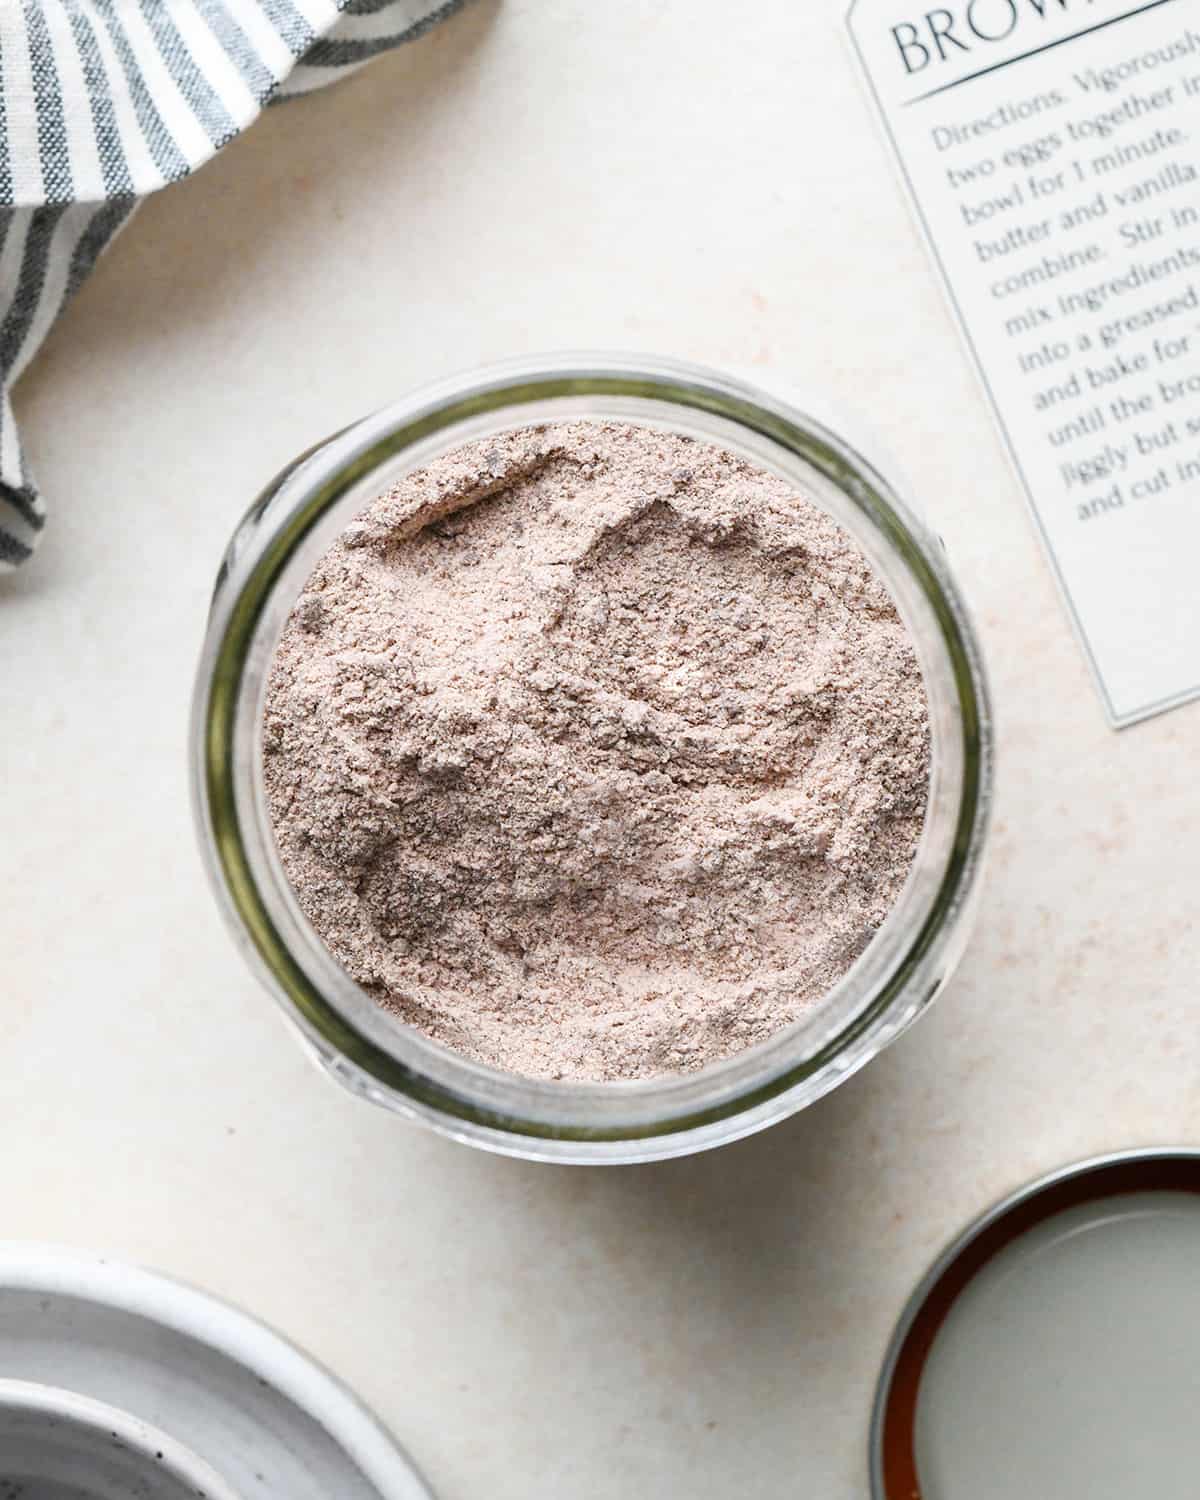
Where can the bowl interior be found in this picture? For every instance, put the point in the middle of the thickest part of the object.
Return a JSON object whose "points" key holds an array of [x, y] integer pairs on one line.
{"points": [[55, 1445]]}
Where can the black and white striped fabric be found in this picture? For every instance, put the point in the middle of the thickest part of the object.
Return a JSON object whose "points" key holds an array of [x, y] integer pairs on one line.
{"points": [[103, 101]]}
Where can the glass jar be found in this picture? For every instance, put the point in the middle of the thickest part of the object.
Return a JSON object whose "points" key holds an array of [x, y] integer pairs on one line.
{"points": [[269, 559]]}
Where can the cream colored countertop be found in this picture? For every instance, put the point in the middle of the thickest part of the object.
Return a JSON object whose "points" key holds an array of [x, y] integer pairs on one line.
{"points": [[692, 178]]}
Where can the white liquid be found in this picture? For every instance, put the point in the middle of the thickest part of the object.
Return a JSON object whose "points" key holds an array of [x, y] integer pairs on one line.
{"points": [[1069, 1368]]}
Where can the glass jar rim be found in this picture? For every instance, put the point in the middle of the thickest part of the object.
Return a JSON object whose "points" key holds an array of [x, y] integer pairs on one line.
{"points": [[504, 1111]]}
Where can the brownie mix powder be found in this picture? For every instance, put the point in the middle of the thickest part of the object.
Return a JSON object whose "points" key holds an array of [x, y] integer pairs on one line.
{"points": [[595, 752]]}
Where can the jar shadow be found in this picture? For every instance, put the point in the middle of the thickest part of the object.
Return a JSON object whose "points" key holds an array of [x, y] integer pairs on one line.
{"points": [[773, 1234], [799, 1236]]}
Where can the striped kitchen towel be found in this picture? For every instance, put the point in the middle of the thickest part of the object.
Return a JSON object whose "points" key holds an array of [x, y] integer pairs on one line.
{"points": [[102, 101]]}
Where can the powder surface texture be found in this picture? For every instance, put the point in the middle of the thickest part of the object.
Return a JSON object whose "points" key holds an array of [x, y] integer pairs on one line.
{"points": [[595, 752]]}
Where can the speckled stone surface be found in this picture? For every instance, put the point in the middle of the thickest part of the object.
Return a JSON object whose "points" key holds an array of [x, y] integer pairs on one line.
{"points": [[711, 1326]]}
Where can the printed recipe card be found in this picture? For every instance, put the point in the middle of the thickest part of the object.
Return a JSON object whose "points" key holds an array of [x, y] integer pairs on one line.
{"points": [[1052, 150]]}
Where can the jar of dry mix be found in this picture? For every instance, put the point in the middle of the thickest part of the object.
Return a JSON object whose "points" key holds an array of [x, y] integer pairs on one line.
{"points": [[555, 747]]}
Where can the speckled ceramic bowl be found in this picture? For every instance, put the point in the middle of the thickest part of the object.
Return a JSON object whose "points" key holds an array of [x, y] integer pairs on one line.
{"points": [[255, 1408], [55, 1445]]}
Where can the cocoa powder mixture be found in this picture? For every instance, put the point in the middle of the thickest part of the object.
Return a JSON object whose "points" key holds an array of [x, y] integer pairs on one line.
{"points": [[595, 752]]}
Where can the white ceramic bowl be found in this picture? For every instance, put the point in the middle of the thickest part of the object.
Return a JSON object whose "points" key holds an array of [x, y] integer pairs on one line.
{"points": [[253, 1406], [55, 1445]]}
